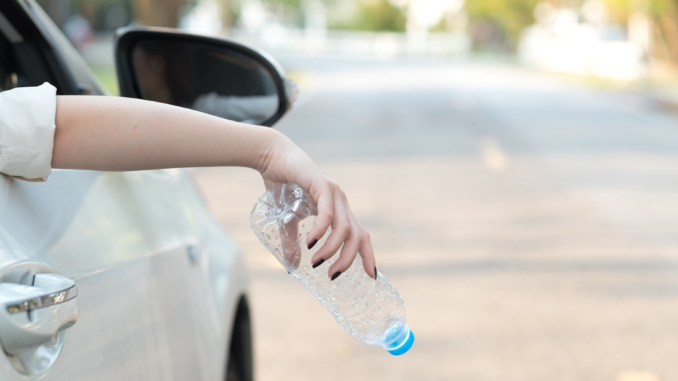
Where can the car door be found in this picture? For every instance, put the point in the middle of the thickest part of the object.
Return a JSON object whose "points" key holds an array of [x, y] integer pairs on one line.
{"points": [[157, 281], [144, 309]]}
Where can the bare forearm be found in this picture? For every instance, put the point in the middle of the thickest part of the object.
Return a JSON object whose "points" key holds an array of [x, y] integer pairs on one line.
{"points": [[122, 134]]}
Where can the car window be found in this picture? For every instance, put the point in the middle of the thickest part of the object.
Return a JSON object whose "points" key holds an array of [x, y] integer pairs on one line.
{"points": [[21, 63], [86, 80], [8, 77]]}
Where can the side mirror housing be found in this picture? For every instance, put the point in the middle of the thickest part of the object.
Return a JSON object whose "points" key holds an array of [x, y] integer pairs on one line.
{"points": [[212, 75]]}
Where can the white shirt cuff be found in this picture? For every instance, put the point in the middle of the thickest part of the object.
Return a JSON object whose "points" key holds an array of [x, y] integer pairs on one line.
{"points": [[27, 123]]}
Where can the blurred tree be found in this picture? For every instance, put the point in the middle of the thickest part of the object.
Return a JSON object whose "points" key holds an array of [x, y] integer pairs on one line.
{"points": [[363, 15], [663, 14], [618, 10], [452, 22], [157, 12], [168, 12], [289, 12], [58, 10], [369, 15], [496, 24], [102, 15]]}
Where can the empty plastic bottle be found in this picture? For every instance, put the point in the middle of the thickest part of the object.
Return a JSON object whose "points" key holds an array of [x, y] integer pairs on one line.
{"points": [[370, 310]]}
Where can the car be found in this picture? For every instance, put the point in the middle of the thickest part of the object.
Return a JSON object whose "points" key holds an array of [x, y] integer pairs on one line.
{"points": [[126, 275]]}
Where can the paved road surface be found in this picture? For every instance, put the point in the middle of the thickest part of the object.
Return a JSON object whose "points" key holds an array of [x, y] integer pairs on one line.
{"points": [[530, 224]]}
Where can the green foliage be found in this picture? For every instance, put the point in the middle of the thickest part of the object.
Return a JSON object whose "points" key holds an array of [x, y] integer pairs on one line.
{"points": [[373, 15], [619, 10], [106, 74], [507, 17], [658, 8], [441, 26], [290, 12], [380, 15], [362, 15], [296, 4]]}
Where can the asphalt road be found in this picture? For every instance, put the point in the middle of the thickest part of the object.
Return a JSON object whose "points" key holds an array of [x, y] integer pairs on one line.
{"points": [[531, 224]]}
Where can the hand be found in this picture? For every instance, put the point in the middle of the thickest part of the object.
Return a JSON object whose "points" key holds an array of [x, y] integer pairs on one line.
{"points": [[284, 162]]}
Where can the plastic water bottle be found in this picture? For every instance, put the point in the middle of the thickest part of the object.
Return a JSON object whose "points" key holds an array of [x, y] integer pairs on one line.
{"points": [[370, 310]]}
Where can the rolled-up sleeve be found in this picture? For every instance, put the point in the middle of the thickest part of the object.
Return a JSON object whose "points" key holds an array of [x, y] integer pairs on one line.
{"points": [[27, 123]]}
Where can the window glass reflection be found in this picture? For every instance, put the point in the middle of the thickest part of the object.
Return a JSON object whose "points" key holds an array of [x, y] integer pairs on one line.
{"points": [[223, 83]]}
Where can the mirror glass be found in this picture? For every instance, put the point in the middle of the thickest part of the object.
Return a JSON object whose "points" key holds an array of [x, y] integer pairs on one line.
{"points": [[215, 80]]}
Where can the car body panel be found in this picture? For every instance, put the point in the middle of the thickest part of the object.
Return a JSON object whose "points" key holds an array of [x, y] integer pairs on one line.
{"points": [[148, 309]]}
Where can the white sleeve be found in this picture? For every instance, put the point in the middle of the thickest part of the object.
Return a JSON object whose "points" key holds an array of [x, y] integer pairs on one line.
{"points": [[27, 116]]}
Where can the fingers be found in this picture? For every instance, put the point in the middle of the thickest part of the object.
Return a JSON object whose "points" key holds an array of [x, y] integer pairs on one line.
{"points": [[358, 241], [287, 163], [326, 214], [340, 230], [367, 254], [346, 231], [346, 257]]}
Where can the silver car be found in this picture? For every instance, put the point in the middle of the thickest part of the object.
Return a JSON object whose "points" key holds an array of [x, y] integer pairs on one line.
{"points": [[126, 275]]}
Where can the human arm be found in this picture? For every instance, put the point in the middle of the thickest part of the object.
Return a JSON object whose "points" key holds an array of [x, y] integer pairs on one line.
{"points": [[122, 134]]}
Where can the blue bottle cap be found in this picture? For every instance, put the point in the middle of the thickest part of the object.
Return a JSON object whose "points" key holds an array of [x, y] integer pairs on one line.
{"points": [[405, 346]]}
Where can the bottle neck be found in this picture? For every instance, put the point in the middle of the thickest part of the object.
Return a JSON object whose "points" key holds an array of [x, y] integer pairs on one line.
{"points": [[398, 338]]}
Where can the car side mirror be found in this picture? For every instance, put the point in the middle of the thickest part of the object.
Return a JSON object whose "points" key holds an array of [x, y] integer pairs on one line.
{"points": [[212, 75]]}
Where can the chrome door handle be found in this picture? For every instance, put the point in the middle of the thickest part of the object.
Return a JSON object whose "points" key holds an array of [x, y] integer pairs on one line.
{"points": [[32, 315]]}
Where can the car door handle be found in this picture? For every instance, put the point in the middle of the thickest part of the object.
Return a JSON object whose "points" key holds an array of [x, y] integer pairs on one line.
{"points": [[32, 315]]}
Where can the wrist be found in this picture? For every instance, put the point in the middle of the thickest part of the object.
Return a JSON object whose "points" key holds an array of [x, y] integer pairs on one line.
{"points": [[272, 143]]}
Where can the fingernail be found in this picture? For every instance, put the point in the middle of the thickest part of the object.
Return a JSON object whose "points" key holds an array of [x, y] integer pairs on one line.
{"points": [[318, 262], [310, 245], [375, 272], [336, 275]]}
